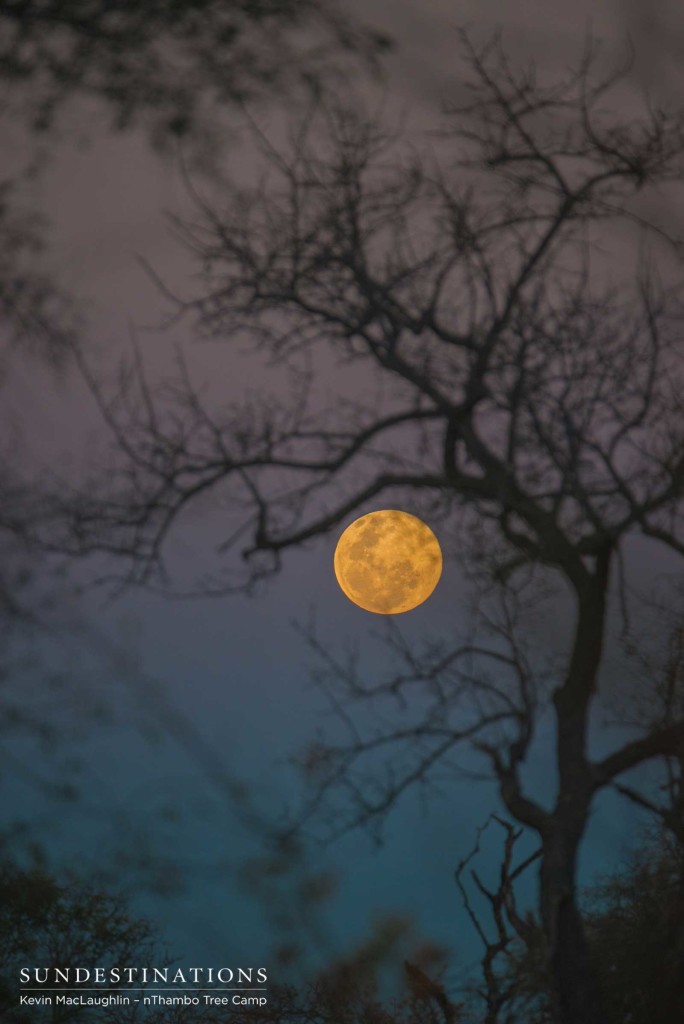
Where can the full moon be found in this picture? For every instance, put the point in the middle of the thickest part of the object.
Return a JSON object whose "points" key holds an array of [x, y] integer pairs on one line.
{"points": [[388, 562]]}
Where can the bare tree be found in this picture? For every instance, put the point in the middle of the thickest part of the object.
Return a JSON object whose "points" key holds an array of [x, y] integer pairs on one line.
{"points": [[507, 932], [527, 395]]}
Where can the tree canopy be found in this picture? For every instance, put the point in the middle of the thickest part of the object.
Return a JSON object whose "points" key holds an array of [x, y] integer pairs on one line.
{"points": [[167, 61], [44, 923]]}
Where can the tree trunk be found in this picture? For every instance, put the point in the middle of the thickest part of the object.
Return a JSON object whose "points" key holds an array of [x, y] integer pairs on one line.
{"points": [[576, 994]]}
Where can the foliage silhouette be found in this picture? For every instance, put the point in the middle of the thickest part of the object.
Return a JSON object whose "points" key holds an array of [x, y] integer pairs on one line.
{"points": [[633, 919], [43, 923], [167, 62]]}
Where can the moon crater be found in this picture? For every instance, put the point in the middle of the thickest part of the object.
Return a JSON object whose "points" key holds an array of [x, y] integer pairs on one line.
{"points": [[388, 562]]}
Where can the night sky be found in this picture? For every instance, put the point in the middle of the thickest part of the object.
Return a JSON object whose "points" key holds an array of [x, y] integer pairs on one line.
{"points": [[236, 668]]}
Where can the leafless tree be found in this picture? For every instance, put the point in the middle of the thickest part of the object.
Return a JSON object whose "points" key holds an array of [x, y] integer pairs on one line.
{"points": [[513, 306], [508, 930]]}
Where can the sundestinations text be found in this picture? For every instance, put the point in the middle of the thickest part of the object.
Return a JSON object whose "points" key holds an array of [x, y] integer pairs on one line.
{"points": [[143, 975]]}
